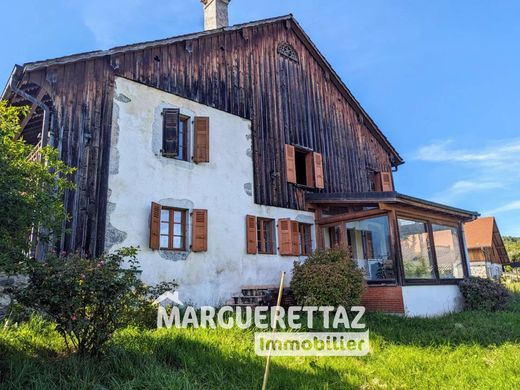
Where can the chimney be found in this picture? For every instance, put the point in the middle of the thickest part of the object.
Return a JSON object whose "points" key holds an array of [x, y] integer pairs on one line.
{"points": [[215, 14]]}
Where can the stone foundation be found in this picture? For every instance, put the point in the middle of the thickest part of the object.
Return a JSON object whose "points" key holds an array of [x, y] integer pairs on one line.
{"points": [[8, 284]]}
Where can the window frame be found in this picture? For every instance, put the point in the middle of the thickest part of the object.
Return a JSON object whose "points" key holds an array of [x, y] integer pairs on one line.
{"points": [[429, 221], [305, 245], [186, 149], [260, 230], [171, 231]]}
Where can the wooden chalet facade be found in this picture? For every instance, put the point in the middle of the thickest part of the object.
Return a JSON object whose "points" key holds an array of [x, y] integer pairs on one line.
{"points": [[315, 152]]}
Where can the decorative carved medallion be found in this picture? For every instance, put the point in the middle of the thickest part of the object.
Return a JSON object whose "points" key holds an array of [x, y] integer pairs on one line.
{"points": [[285, 49]]}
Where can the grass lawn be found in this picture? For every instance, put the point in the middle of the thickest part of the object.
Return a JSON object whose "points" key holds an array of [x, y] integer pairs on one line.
{"points": [[459, 351]]}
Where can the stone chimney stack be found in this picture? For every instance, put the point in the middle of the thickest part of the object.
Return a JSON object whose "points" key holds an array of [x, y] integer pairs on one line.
{"points": [[215, 14]]}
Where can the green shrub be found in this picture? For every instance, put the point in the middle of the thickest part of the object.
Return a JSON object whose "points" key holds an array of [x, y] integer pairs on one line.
{"points": [[88, 299], [328, 278], [484, 294]]}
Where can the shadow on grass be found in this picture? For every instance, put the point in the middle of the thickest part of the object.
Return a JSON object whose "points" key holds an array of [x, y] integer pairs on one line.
{"points": [[159, 360], [465, 328]]}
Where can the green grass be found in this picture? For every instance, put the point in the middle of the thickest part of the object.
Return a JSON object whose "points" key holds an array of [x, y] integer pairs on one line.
{"points": [[465, 350]]}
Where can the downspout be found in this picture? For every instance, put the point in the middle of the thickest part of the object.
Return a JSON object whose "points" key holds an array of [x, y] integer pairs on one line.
{"points": [[46, 110], [47, 138]]}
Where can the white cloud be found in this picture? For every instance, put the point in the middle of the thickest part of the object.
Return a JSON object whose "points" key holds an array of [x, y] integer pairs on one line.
{"points": [[511, 206], [490, 167]]}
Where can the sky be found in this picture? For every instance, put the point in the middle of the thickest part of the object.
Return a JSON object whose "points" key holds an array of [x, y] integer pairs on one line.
{"points": [[440, 78]]}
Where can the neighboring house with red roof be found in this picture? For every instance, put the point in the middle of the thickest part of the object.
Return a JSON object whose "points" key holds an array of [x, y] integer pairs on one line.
{"points": [[487, 252]]}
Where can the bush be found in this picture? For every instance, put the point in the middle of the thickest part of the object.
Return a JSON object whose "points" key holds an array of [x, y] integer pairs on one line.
{"points": [[484, 294], [88, 299], [328, 278]]}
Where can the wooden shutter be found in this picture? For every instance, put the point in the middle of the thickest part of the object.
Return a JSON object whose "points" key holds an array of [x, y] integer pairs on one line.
{"points": [[383, 181], [251, 235], [170, 132], [199, 230], [290, 163], [318, 170], [295, 238], [309, 169], [155, 226], [201, 139], [284, 237]]}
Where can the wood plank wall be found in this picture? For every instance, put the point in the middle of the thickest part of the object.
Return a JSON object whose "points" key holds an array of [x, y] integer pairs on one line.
{"points": [[236, 71]]}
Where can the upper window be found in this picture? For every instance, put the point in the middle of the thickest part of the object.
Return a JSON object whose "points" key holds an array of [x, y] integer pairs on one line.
{"points": [[369, 241], [265, 236], [416, 249], [448, 252], [173, 229], [175, 134], [304, 167]]}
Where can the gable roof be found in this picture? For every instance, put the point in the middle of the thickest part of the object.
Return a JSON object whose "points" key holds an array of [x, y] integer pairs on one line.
{"points": [[396, 159], [479, 233]]}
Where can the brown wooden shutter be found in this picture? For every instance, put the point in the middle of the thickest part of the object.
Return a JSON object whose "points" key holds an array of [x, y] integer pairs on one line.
{"points": [[386, 182], [284, 237], [290, 163], [170, 132], [383, 182], [199, 230], [318, 170], [252, 244], [155, 226], [201, 139], [295, 238]]}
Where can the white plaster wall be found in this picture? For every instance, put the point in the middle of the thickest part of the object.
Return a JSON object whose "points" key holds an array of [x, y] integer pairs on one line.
{"points": [[429, 301], [140, 175]]}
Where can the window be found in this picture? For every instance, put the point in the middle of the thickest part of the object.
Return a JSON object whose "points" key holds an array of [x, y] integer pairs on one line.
{"points": [[173, 229], [175, 134], [333, 235], [265, 236], [305, 239], [369, 241], [415, 249], [304, 167], [448, 252]]}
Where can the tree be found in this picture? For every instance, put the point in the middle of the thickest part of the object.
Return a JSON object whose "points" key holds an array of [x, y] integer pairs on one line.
{"points": [[31, 192], [512, 245]]}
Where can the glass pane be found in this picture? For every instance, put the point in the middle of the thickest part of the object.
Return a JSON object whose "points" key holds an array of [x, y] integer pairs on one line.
{"points": [[164, 241], [177, 242], [177, 229], [415, 248], [165, 215], [369, 241], [165, 227], [177, 216], [447, 249]]}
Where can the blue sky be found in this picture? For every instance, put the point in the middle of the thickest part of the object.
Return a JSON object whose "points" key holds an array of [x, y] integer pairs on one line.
{"points": [[440, 78]]}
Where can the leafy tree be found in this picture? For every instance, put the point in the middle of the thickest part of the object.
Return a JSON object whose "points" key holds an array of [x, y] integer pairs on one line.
{"points": [[513, 247], [31, 192]]}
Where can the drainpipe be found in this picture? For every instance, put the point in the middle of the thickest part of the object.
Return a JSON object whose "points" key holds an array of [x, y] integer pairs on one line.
{"points": [[46, 110], [47, 139]]}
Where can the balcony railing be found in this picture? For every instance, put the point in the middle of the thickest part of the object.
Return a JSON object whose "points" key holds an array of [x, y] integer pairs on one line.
{"points": [[35, 154]]}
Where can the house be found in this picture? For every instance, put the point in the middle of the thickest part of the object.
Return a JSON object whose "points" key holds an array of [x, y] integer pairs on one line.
{"points": [[227, 155], [487, 253]]}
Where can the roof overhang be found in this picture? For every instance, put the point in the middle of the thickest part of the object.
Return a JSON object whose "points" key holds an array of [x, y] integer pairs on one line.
{"points": [[364, 198]]}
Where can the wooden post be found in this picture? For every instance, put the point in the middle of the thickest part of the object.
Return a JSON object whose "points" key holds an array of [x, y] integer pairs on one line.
{"points": [[278, 302]]}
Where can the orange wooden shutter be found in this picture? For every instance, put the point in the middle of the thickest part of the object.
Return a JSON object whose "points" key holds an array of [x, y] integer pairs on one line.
{"points": [[155, 226], [251, 234], [201, 141], [284, 237], [309, 169], [199, 230], [170, 143], [318, 170], [386, 182], [290, 163], [295, 238]]}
